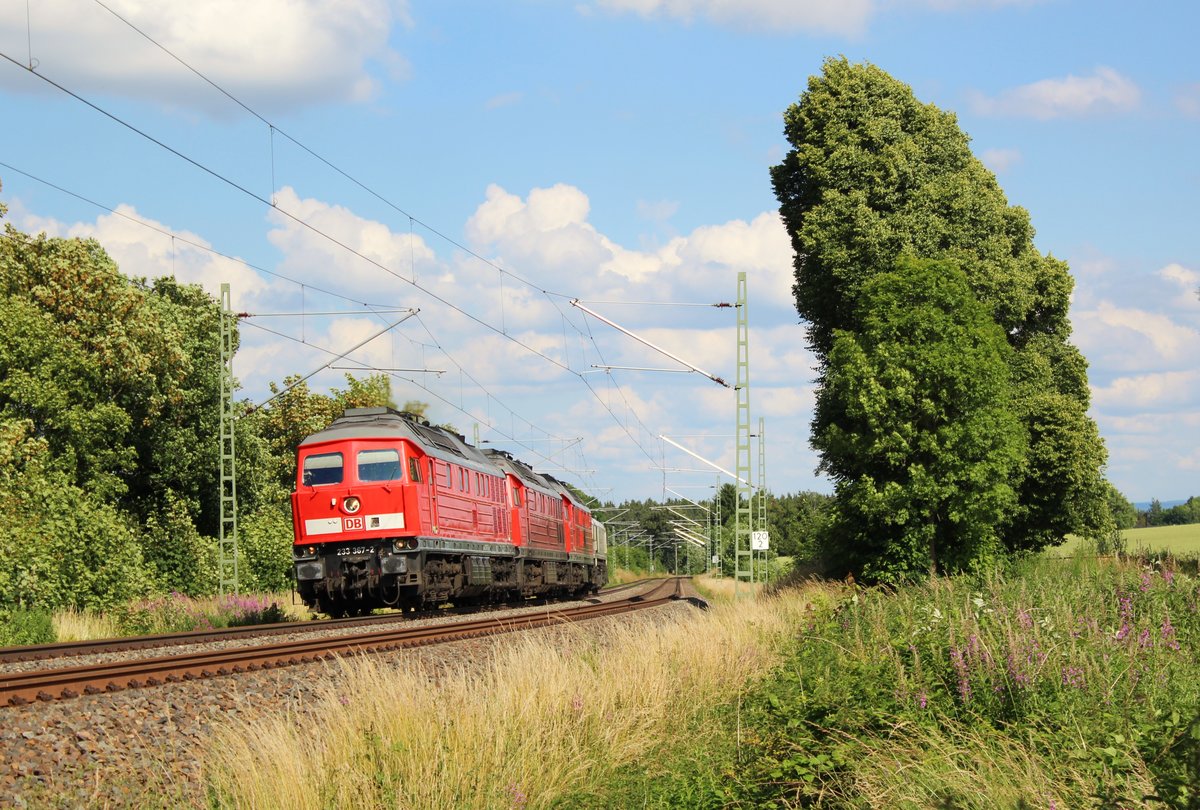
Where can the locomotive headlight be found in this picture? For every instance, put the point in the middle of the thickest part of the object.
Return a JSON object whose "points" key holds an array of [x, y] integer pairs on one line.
{"points": [[351, 505]]}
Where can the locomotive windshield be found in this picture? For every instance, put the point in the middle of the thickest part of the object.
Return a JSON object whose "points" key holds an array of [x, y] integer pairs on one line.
{"points": [[325, 468], [379, 465]]}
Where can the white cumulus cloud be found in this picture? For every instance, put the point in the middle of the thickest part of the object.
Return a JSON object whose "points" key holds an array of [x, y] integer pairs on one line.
{"points": [[548, 239], [1169, 389], [1127, 338], [273, 54], [144, 247], [1188, 282], [1104, 91], [1000, 160], [847, 17]]}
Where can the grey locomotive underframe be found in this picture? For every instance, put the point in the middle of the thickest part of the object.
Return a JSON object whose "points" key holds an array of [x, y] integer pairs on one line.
{"points": [[432, 570]]}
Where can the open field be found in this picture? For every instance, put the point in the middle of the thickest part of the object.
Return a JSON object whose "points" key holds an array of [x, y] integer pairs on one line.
{"points": [[1182, 541], [1179, 540]]}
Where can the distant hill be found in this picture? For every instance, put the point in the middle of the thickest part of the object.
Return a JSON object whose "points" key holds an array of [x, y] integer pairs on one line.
{"points": [[1142, 506]]}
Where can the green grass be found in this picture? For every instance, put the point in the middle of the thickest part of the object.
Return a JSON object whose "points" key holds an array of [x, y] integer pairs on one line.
{"points": [[1054, 683], [1181, 541]]}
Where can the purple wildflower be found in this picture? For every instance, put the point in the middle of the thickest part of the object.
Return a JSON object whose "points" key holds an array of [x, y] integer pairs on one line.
{"points": [[1018, 676], [1073, 677], [1168, 634], [960, 667]]}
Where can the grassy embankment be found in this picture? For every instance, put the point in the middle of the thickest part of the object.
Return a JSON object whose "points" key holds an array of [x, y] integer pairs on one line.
{"points": [[1059, 683], [175, 613], [550, 719]]}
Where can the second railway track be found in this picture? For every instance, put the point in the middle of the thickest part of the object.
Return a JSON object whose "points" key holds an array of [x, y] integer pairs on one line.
{"points": [[20, 688]]}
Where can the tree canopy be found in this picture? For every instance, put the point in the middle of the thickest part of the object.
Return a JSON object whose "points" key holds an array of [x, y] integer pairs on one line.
{"points": [[876, 178], [913, 427], [109, 434]]}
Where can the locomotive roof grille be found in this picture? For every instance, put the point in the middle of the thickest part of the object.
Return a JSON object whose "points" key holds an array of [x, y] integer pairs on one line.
{"points": [[386, 423]]}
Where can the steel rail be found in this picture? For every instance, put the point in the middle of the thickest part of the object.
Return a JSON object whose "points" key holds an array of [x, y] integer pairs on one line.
{"points": [[64, 649], [20, 688]]}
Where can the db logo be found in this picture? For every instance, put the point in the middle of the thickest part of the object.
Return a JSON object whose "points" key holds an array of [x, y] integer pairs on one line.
{"points": [[352, 524]]}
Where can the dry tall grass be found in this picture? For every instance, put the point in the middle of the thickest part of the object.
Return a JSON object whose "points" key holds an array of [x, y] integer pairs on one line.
{"points": [[726, 589], [84, 625], [548, 715]]}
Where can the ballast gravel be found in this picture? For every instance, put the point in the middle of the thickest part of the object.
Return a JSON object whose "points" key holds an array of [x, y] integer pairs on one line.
{"points": [[141, 747]]}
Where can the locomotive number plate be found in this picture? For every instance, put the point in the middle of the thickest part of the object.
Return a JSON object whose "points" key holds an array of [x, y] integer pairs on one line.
{"points": [[348, 552]]}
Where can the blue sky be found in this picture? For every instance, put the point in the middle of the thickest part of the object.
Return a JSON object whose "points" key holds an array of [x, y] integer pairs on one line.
{"points": [[609, 150]]}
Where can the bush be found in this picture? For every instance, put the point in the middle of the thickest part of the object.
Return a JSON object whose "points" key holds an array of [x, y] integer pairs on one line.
{"points": [[20, 627], [181, 558], [69, 548], [265, 545]]}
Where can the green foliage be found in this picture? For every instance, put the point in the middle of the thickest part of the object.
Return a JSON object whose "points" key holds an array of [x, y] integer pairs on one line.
{"points": [[631, 558], [1068, 683], [117, 380], [20, 627], [68, 548], [1124, 513], [913, 429], [181, 558], [265, 541], [873, 176], [1179, 515]]}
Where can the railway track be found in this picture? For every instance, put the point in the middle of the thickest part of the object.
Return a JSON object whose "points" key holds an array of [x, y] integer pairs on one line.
{"points": [[111, 645], [20, 688]]}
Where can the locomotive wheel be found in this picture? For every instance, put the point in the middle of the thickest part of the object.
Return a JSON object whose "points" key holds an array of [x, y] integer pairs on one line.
{"points": [[334, 609]]}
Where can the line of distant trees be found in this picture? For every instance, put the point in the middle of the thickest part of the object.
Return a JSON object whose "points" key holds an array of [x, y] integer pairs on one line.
{"points": [[1178, 515], [1128, 516]]}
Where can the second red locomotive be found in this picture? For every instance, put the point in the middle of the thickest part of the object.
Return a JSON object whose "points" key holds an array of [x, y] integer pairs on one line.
{"points": [[391, 511]]}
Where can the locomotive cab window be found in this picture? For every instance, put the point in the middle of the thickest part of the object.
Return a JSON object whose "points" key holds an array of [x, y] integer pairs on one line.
{"points": [[324, 468], [414, 471], [379, 465]]}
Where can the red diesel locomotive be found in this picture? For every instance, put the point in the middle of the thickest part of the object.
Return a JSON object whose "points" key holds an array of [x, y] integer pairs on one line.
{"points": [[390, 511]]}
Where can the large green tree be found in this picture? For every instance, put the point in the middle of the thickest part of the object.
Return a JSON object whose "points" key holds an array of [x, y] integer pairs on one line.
{"points": [[873, 175], [913, 426], [117, 379], [108, 434]]}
